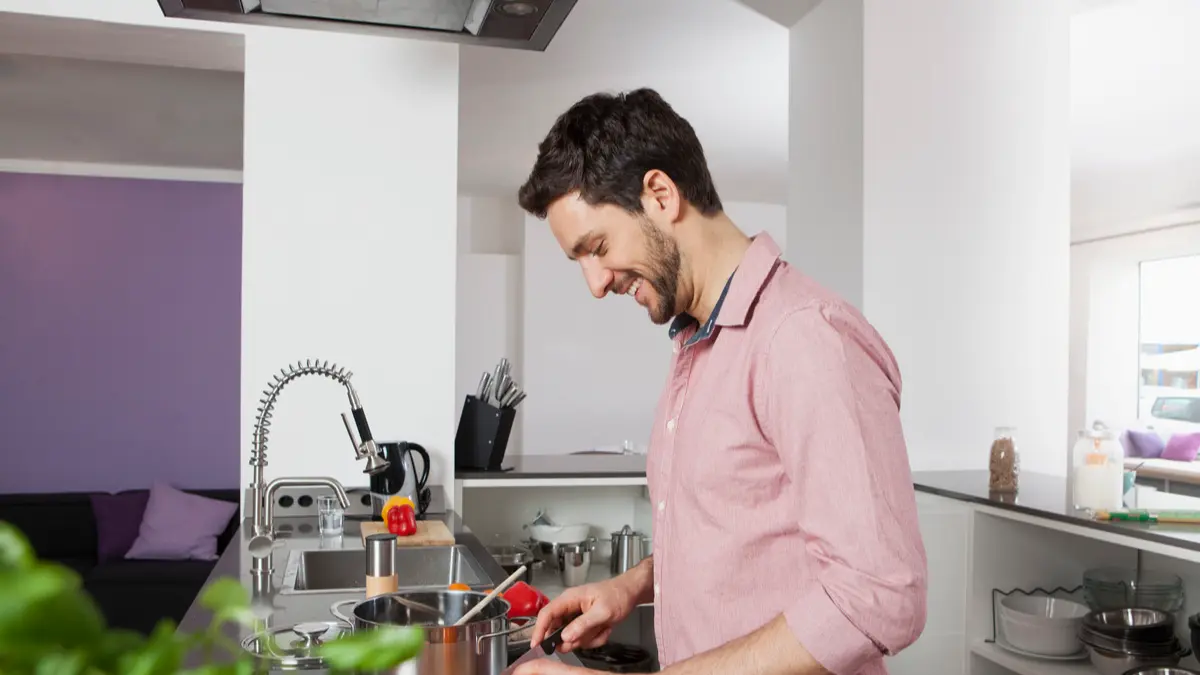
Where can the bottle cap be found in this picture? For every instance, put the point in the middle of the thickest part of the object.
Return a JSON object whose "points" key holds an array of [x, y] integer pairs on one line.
{"points": [[381, 555]]}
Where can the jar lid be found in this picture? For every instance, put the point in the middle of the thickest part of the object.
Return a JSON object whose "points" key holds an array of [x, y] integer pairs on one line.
{"points": [[294, 647], [1100, 431]]}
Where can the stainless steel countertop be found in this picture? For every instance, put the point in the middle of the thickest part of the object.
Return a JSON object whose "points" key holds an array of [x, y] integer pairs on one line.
{"points": [[274, 609]]}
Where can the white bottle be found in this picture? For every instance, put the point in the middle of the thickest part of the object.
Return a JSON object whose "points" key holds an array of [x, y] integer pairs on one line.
{"points": [[1098, 470]]}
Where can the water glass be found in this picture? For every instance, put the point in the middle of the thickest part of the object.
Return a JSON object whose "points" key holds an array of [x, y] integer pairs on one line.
{"points": [[329, 516]]}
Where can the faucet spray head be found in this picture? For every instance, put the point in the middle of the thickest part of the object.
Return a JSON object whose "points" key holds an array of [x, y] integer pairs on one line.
{"points": [[375, 463]]}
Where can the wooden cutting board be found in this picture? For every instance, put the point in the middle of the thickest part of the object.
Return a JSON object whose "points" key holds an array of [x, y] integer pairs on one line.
{"points": [[429, 533]]}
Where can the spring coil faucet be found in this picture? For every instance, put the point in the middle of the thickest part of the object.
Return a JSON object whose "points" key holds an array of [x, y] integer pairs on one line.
{"points": [[364, 446]]}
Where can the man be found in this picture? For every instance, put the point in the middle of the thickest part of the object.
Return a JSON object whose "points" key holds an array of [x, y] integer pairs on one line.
{"points": [[785, 527]]}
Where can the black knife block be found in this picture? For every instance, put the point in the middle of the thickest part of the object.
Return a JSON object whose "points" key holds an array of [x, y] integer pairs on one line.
{"points": [[482, 436]]}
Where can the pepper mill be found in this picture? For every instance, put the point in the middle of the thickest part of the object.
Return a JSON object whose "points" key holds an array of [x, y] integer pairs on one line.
{"points": [[381, 565]]}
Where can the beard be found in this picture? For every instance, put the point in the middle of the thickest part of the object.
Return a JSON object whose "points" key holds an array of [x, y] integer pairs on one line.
{"points": [[664, 265]]}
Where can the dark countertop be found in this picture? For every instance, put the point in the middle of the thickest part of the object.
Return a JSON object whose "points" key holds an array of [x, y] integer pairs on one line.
{"points": [[1047, 497], [273, 607], [598, 465]]}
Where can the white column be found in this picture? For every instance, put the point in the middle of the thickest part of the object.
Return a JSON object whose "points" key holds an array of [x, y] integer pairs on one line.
{"points": [[351, 147], [931, 186]]}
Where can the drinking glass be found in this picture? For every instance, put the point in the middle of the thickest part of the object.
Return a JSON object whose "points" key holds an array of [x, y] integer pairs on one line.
{"points": [[329, 516]]}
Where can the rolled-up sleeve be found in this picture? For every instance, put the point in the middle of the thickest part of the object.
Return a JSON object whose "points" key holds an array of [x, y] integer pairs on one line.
{"points": [[830, 396]]}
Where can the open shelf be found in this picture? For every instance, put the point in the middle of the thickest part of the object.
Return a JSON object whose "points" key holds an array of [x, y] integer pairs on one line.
{"points": [[1024, 665]]}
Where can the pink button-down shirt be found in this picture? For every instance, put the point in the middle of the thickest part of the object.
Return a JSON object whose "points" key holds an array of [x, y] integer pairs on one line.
{"points": [[779, 478]]}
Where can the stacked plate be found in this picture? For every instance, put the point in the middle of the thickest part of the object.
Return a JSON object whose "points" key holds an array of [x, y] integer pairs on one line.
{"points": [[1119, 640], [1119, 588]]}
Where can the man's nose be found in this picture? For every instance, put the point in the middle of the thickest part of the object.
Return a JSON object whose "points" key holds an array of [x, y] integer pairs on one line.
{"points": [[599, 279]]}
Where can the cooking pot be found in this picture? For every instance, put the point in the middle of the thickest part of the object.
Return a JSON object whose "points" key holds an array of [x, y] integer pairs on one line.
{"points": [[479, 647]]}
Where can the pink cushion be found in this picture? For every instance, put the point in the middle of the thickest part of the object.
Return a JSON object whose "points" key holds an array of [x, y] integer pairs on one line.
{"points": [[178, 525], [1144, 444], [1182, 447]]}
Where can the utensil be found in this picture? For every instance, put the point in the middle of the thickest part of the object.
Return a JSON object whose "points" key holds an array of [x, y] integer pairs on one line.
{"points": [[511, 558], [292, 647], [1134, 624], [480, 647], [543, 649], [574, 561], [627, 550], [1042, 625], [500, 588]]}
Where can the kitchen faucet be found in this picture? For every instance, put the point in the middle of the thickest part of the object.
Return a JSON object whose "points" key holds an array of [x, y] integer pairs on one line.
{"points": [[262, 493]]}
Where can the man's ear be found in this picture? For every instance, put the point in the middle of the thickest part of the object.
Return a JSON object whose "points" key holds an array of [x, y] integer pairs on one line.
{"points": [[661, 199]]}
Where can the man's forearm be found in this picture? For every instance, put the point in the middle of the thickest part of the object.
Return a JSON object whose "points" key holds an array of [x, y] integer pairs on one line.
{"points": [[770, 650], [640, 581]]}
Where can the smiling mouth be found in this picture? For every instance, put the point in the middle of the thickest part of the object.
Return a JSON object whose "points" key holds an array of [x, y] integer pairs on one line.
{"points": [[633, 288]]}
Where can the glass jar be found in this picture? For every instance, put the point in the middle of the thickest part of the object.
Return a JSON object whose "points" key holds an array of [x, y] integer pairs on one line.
{"points": [[1098, 470], [1004, 463]]}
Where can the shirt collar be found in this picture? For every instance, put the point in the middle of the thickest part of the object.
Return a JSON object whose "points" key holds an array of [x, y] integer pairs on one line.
{"points": [[740, 292]]}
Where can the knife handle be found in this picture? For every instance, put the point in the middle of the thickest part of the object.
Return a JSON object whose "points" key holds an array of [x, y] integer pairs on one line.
{"points": [[551, 642]]}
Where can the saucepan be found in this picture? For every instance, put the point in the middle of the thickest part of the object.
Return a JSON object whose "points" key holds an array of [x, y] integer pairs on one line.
{"points": [[478, 647]]}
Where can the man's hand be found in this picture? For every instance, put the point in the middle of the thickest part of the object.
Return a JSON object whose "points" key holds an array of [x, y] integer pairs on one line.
{"points": [[600, 605]]}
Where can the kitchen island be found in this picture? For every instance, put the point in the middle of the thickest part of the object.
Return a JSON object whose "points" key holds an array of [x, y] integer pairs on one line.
{"points": [[274, 602]]}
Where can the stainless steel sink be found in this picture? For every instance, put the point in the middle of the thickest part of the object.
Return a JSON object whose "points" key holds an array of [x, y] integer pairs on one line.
{"points": [[418, 567]]}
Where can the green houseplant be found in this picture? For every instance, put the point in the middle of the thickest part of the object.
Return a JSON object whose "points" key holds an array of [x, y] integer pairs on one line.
{"points": [[49, 625]]}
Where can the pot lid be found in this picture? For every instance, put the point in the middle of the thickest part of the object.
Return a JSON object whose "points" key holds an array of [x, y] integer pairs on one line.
{"points": [[627, 532], [294, 647]]}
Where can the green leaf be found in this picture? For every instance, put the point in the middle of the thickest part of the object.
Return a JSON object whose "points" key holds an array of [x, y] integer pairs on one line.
{"points": [[43, 611], [114, 645], [15, 551], [161, 654], [378, 649], [225, 595], [63, 663]]}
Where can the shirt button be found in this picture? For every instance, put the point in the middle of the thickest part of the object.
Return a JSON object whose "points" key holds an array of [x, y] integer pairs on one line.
{"points": [[662, 506], [671, 424]]}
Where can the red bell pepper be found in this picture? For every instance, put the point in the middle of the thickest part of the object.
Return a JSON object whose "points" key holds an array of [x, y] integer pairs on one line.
{"points": [[524, 600], [402, 521]]}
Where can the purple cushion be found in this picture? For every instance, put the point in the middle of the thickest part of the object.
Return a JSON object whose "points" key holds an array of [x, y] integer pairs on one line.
{"points": [[1144, 444], [118, 518], [180, 526], [1182, 447]]}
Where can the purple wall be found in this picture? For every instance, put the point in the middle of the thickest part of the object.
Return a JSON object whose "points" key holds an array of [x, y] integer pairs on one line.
{"points": [[120, 333]]}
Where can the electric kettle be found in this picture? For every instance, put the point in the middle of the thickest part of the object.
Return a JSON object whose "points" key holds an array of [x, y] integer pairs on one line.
{"points": [[401, 476]]}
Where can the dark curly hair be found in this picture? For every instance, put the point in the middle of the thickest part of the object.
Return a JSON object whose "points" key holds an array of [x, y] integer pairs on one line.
{"points": [[604, 145]]}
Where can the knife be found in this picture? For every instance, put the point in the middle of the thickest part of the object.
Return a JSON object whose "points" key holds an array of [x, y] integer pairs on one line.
{"points": [[541, 650]]}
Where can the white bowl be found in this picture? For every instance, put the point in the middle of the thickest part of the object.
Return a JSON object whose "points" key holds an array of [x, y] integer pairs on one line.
{"points": [[560, 534], [1042, 625]]}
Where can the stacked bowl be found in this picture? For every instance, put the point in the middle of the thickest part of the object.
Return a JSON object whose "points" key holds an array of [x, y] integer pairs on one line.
{"points": [[1118, 588], [1120, 640]]}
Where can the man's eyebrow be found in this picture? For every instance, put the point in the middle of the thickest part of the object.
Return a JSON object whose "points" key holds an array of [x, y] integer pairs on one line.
{"points": [[581, 245]]}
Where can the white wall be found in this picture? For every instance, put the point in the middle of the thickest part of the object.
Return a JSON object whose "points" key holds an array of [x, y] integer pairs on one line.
{"points": [[350, 180], [1105, 298], [964, 207], [594, 368], [350, 240]]}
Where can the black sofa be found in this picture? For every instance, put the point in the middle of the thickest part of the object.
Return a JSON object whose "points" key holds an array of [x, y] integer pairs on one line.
{"points": [[132, 594]]}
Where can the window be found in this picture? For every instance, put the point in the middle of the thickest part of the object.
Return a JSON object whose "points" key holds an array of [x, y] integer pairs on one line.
{"points": [[1169, 361]]}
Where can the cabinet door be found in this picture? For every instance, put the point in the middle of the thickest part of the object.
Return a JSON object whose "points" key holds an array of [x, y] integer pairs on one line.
{"points": [[942, 647]]}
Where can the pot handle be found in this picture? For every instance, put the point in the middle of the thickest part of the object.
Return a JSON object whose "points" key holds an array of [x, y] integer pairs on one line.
{"points": [[507, 631], [334, 609]]}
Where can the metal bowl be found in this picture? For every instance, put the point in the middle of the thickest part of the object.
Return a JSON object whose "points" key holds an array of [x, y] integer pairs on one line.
{"points": [[1116, 663], [1162, 670], [1137, 624]]}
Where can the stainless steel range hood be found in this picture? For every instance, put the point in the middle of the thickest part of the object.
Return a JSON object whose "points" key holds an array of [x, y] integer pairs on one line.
{"points": [[511, 24]]}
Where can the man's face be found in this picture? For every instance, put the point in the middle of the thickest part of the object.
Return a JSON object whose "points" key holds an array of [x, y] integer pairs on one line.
{"points": [[620, 253]]}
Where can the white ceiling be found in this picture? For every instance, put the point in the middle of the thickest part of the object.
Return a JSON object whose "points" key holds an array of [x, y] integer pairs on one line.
{"points": [[736, 98]]}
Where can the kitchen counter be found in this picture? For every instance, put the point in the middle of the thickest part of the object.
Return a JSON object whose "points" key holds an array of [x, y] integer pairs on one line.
{"points": [[541, 467], [300, 534], [1048, 497]]}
